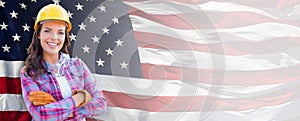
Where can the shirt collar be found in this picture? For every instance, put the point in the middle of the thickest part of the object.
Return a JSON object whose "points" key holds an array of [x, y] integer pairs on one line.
{"points": [[62, 58]]}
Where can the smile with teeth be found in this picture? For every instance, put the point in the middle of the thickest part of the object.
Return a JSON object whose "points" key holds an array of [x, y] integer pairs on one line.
{"points": [[52, 44]]}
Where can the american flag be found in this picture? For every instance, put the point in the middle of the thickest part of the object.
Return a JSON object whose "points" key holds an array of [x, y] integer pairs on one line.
{"points": [[167, 60]]}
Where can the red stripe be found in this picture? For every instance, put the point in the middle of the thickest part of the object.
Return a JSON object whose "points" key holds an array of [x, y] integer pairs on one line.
{"points": [[15, 116], [161, 72], [10, 85], [158, 41], [240, 78], [239, 47], [209, 20], [93, 119], [191, 103]]}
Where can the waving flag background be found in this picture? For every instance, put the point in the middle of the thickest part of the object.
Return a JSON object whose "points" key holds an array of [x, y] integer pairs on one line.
{"points": [[171, 60]]}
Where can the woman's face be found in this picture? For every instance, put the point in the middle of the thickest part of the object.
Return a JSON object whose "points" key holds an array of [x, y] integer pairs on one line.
{"points": [[52, 37]]}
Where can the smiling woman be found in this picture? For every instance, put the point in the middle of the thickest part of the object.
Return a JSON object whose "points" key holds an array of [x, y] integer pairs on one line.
{"points": [[52, 38], [55, 86]]}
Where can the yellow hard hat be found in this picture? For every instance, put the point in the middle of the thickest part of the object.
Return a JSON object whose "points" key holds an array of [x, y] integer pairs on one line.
{"points": [[53, 12]]}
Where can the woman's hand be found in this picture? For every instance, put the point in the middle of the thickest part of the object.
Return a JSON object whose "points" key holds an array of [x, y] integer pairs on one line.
{"points": [[81, 97], [40, 98]]}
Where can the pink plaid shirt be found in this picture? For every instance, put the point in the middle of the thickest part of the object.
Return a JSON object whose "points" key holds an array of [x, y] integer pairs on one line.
{"points": [[79, 77]]}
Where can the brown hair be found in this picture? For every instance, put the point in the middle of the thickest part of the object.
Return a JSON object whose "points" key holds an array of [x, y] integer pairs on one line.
{"points": [[33, 64]]}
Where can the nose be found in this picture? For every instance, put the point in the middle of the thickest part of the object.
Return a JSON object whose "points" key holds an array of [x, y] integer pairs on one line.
{"points": [[54, 36]]}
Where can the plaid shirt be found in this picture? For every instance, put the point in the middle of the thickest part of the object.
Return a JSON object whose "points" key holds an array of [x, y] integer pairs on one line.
{"points": [[79, 78]]}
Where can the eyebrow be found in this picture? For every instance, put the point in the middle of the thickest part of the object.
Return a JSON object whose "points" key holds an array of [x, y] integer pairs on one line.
{"points": [[51, 29]]}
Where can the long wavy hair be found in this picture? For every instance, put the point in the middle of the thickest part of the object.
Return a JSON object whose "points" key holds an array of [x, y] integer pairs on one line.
{"points": [[34, 63]]}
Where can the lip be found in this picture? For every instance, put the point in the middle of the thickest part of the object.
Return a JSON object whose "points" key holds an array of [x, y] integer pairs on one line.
{"points": [[52, 44]]}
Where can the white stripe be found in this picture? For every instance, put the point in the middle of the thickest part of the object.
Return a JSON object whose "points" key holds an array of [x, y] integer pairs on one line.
{"points": [[268, 113], [264, 31], [165, 8], [154, 8], [140, 24], [193, 59], [10, 68], [257, 32], [12, 102], [231, 7], [145, 87]]}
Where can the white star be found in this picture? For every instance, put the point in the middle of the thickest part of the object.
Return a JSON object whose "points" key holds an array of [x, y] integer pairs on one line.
{"points": [[3, 26], [13, 14], [70, 14], [86, 49], [102, 8], [2, 4], [33, 0], [115, 20], [124, 65], [109, 51], [56, 2], [82, 26], [6, 48], [16, 37], [100, 62], [95, 39], [79, 6], [23, 6], [105, 30], [119, 43], [26, 27], [92, 19], [72, 37]]}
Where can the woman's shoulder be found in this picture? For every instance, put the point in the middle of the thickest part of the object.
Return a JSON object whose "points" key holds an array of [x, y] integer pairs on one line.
{"points": [[75, 66], [76, 61], [23, 70]]}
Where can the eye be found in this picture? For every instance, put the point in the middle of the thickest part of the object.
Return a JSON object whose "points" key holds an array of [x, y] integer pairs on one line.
{"points": [[47, 30], [61, 33]]}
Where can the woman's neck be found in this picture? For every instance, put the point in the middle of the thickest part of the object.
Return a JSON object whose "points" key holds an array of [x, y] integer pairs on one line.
{"points": [[51, 59]]}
